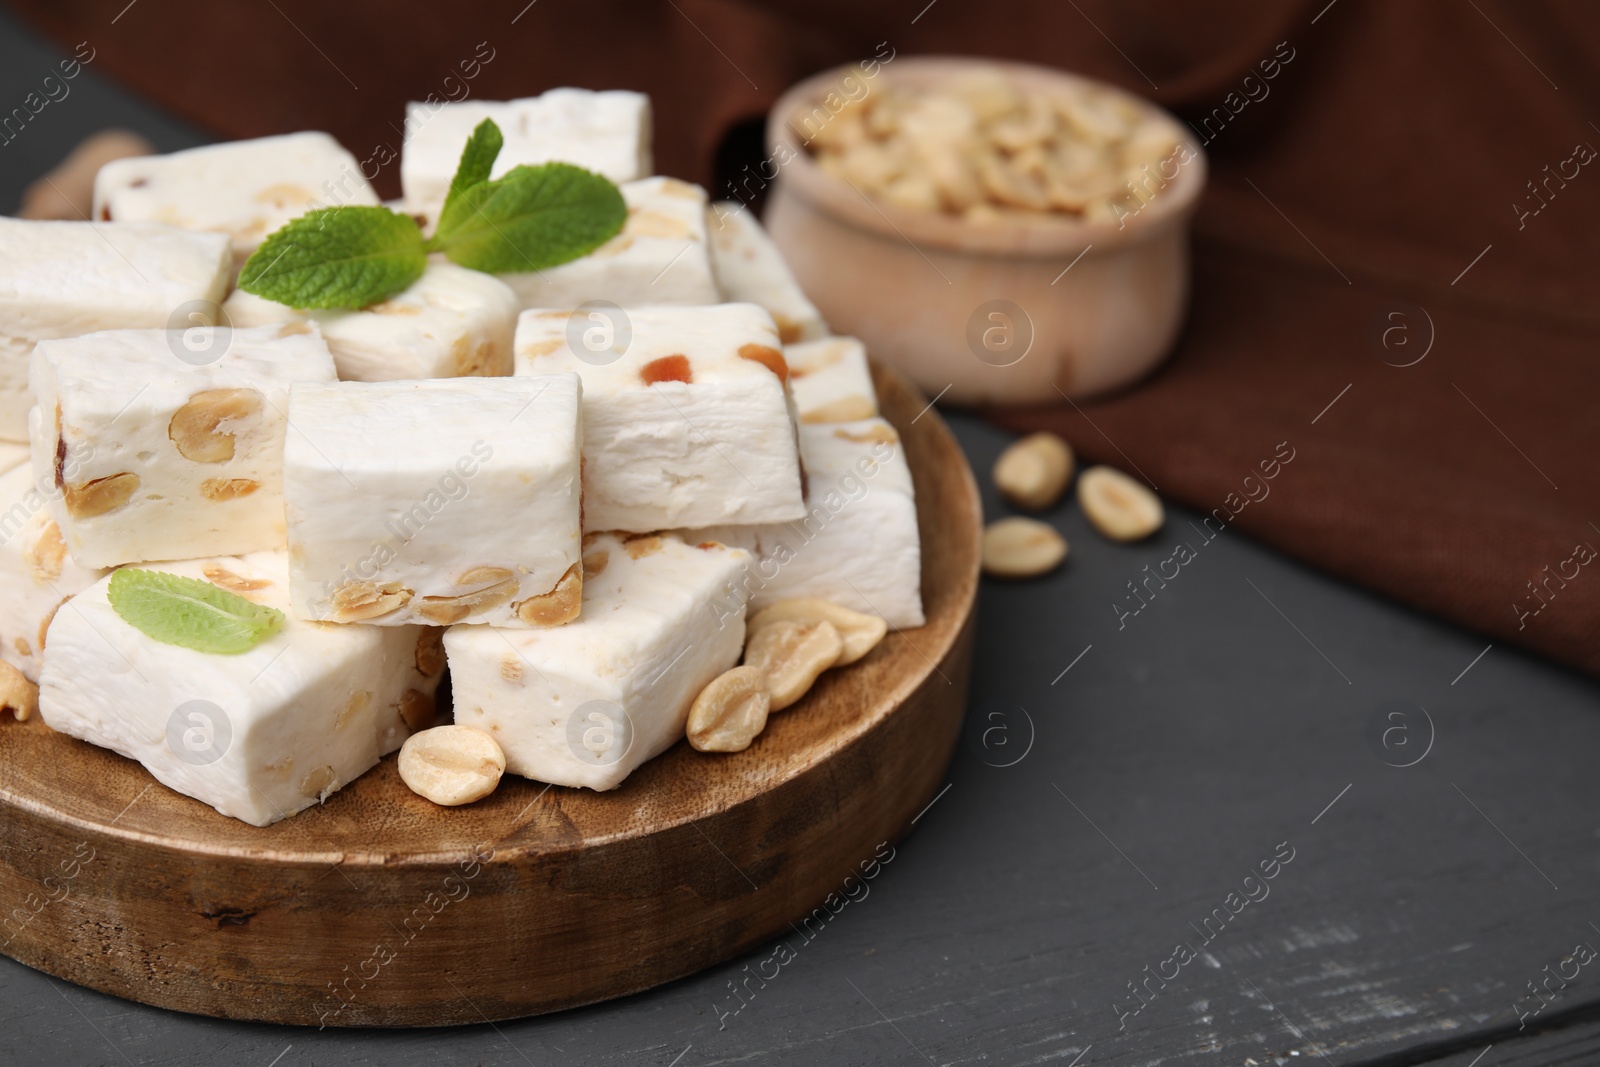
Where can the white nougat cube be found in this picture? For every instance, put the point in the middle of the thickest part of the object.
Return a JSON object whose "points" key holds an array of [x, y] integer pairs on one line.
{"points": [[831, 380], [436, 502], [449, 323], [660, 257], [259, 735], [606, 132], [63, 279], [858, 545], [245, 189], [36, 574], [169, 459], [586, 704], [690, 426], [750, 268]]}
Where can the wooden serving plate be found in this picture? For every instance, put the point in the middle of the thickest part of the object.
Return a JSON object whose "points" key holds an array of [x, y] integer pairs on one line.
{"points": [[380, 909]]}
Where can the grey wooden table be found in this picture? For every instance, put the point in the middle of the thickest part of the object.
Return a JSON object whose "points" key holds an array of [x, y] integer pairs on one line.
{"points": [[1272, 820]]}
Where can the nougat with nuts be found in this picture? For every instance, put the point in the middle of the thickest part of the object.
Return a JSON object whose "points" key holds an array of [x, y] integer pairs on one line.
{"points": [[245, 189], [586, 704], [451, 322], [166, 444], [66, 279], [435, 502], [831, 380], [662, 256], [858, 545], [750, 268], [687, 418], [607, 132], [259, 735]]}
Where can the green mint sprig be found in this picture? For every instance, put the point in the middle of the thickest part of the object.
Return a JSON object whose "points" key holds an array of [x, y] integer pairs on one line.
{"points": [[189, 612], [531, 218]]}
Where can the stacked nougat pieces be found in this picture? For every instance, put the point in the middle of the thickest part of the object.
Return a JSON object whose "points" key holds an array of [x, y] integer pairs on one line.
{"points": [[569, 485]]}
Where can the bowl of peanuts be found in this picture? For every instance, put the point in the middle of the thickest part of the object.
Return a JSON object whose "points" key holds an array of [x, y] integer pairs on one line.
{"points": [[998, 231]]}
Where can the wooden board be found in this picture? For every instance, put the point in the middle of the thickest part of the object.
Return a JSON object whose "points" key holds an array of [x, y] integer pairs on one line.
{"points": [[380, 909]]}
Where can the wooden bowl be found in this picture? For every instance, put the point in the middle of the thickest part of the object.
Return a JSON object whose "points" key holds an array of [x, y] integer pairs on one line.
{"points": [[380, 909], [1004, 311]]}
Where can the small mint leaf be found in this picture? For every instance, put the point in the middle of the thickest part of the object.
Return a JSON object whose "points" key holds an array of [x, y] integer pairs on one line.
{"points": [[190, 613], [532, 218], [337, 257], [477, 163]]}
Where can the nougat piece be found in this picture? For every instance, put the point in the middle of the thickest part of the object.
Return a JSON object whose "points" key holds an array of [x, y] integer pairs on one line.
{"points": [[587, 703], [660, 257], [607, 132], [245, 189], [436, 502], [858, 544], [690, 426], [259, 735], [451, 322], [750, 268], [36, 574], [157, 457], [12, 455], [831, 380], [63, 279]]}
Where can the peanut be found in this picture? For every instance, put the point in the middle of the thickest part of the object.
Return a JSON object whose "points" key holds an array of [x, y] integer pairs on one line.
{"points": [[233, 583], [1033, 473], [47, 553], [451, 765], [359, 601], [202, 430], [445, 610], [561, 604], [845, 409], [17, 694], [88, 499], [1021, 548], [1117, 506], [793, 655], [730, 712], [859, 632], [220, 489]]}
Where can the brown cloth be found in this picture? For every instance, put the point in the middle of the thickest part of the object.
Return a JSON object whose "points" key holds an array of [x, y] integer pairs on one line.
{"points": [[1394, 273]]}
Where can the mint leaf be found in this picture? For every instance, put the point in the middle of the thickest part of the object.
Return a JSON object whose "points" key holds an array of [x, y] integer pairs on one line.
{"points": [[337, 257], [531, 218], [190, 613], [477, 162]]}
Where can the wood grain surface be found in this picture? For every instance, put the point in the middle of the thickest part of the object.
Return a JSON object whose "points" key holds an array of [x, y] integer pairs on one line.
{"points": [[378, 908]]}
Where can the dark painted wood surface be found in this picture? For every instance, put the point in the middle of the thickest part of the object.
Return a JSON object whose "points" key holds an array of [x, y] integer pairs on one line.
{"points": [[1094, 819]]}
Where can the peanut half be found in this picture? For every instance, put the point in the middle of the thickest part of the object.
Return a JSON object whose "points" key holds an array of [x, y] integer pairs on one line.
{"points": [[859, 632], [1033, 473], [792, 655], [202, 430], [730, 712], [358, 601], [1021, 548], [88, 499], [17, 693], [445, 610], [1119, 507], [451, 765]]}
